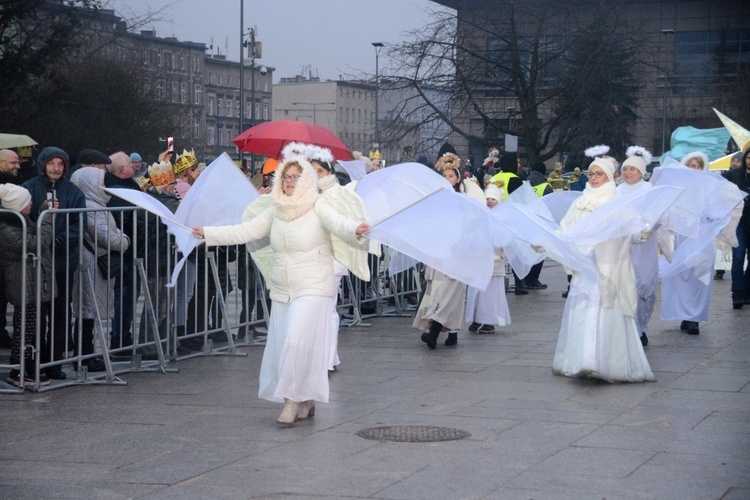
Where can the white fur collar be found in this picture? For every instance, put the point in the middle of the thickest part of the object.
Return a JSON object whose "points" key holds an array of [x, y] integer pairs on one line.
{"points": [[305, 194]]}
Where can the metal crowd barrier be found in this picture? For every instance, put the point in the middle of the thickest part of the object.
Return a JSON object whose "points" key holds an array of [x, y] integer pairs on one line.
{"points": [[220, 304]]}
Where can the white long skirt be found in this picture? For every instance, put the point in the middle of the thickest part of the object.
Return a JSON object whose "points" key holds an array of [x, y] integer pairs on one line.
{"points": [[335, 337], [489, 306], [298, 350], [599, 342]]}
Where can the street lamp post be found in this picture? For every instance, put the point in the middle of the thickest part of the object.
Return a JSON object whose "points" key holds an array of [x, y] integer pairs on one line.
{"points": [[314, 107], [378, 46], [664, 32], [242, 74]]}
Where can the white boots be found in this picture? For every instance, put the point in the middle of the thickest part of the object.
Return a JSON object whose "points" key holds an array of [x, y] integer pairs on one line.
{"points": [[289, 413], [294, 411], [306, 409]]}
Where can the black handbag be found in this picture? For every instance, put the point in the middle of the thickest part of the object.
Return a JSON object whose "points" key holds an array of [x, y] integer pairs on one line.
{"points": [[109, 265]]}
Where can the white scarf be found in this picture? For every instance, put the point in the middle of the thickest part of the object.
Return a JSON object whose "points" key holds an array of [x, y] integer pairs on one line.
{"points": [[593, 198]]}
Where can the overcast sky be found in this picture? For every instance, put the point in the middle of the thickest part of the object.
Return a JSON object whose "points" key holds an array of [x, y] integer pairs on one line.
{"points": [[333, 37]]}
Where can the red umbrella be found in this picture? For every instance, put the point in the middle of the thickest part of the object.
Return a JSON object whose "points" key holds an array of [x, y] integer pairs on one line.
{"points": [[269, 138]]}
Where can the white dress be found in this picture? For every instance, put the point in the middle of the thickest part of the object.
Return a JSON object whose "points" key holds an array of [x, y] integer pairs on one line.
{"points": [[490, 306], [645, 258], [686, 294], [302, 288], [598, 335]]}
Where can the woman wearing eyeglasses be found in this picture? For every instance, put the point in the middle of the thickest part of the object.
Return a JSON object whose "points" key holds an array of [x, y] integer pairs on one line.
{"points": [[302, 286], [598, 335]]}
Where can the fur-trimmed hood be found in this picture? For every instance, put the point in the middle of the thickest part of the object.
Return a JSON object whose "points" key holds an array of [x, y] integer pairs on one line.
{"points": [[305, 193]]}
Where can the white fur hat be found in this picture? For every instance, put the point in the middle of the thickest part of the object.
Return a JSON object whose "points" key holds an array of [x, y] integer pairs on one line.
{"points": [[696, 154], [14, 197], [605, 163], [492, 191], [637, 157]]}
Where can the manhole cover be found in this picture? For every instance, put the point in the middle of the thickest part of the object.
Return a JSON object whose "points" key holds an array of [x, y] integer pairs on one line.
{"points": [[413, 434]]}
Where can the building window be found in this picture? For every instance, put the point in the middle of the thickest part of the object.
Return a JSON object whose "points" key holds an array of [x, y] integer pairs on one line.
{"points": [[158, 58], [238, 105], [229, 107], [248, 110], [257, 109], [210, 106], [160, 90], [211, 136], [230, 136], [229, 80], [181, 58], [265, 111], [197, 129], [220, 103], [219, 136], [174, 92], [198, 93], [152, 57], [183, 93], [710, 54], [168, 60]]}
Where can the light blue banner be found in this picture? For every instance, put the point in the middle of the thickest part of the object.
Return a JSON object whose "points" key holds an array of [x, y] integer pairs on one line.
{"points": [[711, 141]]}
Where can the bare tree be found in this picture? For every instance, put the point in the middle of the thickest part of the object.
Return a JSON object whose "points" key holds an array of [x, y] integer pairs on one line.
{"points": [[104, 104], [519, 71]]}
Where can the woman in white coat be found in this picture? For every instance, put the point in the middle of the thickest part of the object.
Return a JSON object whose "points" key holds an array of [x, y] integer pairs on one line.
{"points": [[302, 286], [101, 236], [598, 335]]}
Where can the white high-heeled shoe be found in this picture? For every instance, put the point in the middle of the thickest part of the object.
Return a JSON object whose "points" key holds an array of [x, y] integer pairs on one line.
{"points": [[289, 413], [306, 409]]}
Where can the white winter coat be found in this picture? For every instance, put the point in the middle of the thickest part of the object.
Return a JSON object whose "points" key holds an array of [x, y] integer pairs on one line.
{"points": [[300, 228], [101, 234]]}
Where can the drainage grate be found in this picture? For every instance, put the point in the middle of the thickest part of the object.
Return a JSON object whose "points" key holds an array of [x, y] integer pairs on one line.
{"points": [[413, 434]]}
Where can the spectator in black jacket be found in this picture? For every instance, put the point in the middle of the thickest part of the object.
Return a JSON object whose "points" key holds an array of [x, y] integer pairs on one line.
{"points": [[120, 174], [741, 273], [51, 190]]}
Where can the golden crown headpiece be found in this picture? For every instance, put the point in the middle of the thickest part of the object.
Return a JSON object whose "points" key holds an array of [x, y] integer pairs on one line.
{"points": [[185, 161], [143, 182], [161, 174], [375, 155]]}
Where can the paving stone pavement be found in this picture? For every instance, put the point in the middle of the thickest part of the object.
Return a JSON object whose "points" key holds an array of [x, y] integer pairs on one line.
{"points": [[203, 433]]}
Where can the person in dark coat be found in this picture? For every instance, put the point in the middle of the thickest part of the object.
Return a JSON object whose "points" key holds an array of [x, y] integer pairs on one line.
{"points": [[10, 165], [12, 237], [120, 173], [51, 190], [740, 176]]}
